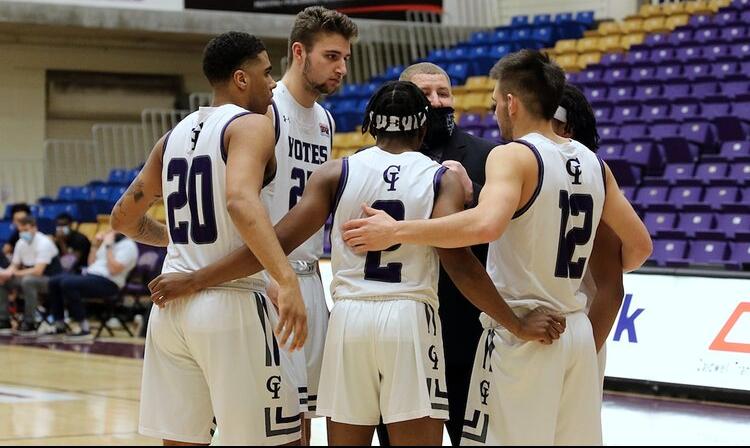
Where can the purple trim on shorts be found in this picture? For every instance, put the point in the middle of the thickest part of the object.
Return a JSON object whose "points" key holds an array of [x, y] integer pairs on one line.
{"points": [[538, 189], [224, 129]]}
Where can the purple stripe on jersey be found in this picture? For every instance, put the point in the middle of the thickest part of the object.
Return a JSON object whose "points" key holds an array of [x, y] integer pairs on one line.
{"points": [[342, 184], [164, 146], [604, 173], [538, 189], [276, 124], [437, 178], [330, 126], [224, 129]]}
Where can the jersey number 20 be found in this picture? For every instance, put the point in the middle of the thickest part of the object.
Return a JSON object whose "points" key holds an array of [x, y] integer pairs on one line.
{"points": [[199, 196]]}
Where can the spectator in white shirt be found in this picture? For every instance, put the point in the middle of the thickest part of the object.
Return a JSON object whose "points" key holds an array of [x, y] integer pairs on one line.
{"points": [[35, 259]]}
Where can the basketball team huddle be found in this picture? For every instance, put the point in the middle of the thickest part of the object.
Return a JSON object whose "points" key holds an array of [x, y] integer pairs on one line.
{"points": [[241, 348]]}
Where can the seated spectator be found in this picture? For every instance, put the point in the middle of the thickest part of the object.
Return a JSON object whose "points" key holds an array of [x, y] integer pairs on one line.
{"points": [[17, 212], [111, 260], [35, 259], [72, 242]]}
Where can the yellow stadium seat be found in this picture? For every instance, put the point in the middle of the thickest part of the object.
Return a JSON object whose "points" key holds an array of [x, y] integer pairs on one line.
{"points": [[88, 229], [569, 62], [339, 153], [632, 39], [608, 28], [610, 43], [632, 25], [649, 10], [715, 5], [676, 20], [698, 6], [479, 84], [670, 9], [343, 140], [476, 102], [587, 59], [566, 46], [459, 100], [654, 25], [588, 44]]}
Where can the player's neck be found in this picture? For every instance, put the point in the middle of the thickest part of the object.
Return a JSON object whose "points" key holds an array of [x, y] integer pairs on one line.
{"points": [[395, 146], [298, 88], [542, 127], [221, 98]]}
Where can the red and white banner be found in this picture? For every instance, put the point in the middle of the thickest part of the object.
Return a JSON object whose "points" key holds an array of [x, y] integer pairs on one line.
{"points": [[683, 330], [166, 5]]}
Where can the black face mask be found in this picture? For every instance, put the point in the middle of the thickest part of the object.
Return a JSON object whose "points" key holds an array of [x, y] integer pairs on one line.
{"points": [[119, 237], [440, 125]]}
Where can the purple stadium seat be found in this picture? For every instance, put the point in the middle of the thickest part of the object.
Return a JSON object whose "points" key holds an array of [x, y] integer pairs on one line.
{"points": [[676, 172], [470, 120], [610, 150], [645, 92], [682, 196], [595, 93], [733, 89], [668, 250], [665, 130], [741, 253], [735, 150], [602, 112], [729, 128], [733, 34], [691, 223], [610, 59], [709, 252], [730, 224], [644, 154], [716, 52], [643, 73], [625, 113], [609, 132], [721, 196], [489, 121], [669, 72], [681, 36], [685, 110], [654, 112], [698, 132], [492, 135], [659, 222], [698, 70], [723, 69], [632, 132], [676, 90], [740, 172], [704, 89], [615, 75], [652, 195], [625, 173], [699, 20], [628, 192], [707, 34], [724, 18], [620, 93], [687, 53], [709, 172], [740, 51], [662, 54], [741, 109], [656, 39], [592, 75], [636, 56]]}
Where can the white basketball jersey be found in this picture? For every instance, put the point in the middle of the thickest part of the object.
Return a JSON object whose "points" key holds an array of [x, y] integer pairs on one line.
{"points": [[303, 143], [544, 252], [405, 186], [194, 189]]}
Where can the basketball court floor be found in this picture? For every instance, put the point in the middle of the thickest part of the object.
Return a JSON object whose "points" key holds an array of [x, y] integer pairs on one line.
{"points": [[88, 394]]}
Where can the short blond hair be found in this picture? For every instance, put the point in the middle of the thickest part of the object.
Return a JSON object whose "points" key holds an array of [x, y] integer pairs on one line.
{"points": [[422, 68]]}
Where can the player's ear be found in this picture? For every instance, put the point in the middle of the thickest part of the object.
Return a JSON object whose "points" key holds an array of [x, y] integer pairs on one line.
{"points": [[241, 79], [298, 49]]}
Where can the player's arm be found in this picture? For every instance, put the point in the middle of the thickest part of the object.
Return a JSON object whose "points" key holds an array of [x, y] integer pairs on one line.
{"points": [[129, 214], [297, 226], [606, 268], [498, 202], [472, 280], [619, 215]]}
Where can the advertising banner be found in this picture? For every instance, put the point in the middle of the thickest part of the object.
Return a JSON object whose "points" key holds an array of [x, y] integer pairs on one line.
{"points": [[383, 9]]}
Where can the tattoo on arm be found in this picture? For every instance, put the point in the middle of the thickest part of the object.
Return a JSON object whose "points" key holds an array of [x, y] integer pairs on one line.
{"points": [[151, 232], [135, 190]]}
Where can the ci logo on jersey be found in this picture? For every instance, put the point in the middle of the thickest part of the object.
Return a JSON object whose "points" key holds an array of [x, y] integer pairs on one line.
{"points": [[324, 129], [574, 169], [390, 176], [484, 391], [274, 385]]}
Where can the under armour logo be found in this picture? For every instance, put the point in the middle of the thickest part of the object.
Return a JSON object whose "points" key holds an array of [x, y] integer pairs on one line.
{"points": [[390, 176], [274, 385], [573, 166], [285, 118], [484, 391], [194, 137], [433, 357]]}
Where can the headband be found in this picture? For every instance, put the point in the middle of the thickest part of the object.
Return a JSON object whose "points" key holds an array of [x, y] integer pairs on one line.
{"points": [[394, 123], [561, 114]]}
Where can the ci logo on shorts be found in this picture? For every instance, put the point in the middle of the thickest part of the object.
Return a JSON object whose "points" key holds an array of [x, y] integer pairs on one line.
{"points": [[274, 385], [484, 391], [433, 357]]}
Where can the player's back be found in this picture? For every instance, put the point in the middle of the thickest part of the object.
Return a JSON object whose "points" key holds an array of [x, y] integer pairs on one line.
{"points": [[542, 256], [194, 189], [404, 186]]}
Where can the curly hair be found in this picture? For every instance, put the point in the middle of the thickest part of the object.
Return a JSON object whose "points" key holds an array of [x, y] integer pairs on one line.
{"points": [[228, 52]]}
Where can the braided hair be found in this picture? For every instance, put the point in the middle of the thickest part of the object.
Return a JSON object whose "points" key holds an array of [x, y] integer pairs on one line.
{"points": [[581, 121], [397, 110]]}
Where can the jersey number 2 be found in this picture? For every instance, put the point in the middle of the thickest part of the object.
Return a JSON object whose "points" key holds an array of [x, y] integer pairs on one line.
{"points": [[390, 273], [198, 196], [573, 204]]}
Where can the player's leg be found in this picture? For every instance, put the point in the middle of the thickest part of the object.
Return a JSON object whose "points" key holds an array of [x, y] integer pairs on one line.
{"points": [[350, 385], [342, 434], [176, 443], [317, 325], [579, 418], [175, 401], [412, 366], [515, 390], [254, 403]]}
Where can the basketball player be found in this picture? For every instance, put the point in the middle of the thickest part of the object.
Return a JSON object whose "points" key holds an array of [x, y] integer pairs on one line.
{"points": [[215, 354], [602, 283], [383, 353], [319, 48], [540, 206]]}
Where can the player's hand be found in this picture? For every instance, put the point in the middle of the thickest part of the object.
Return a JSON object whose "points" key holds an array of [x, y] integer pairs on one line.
{"points": [[372, 233], [272, 291], [459, 169], [292, 316], [541, 327], [168, 287]]}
